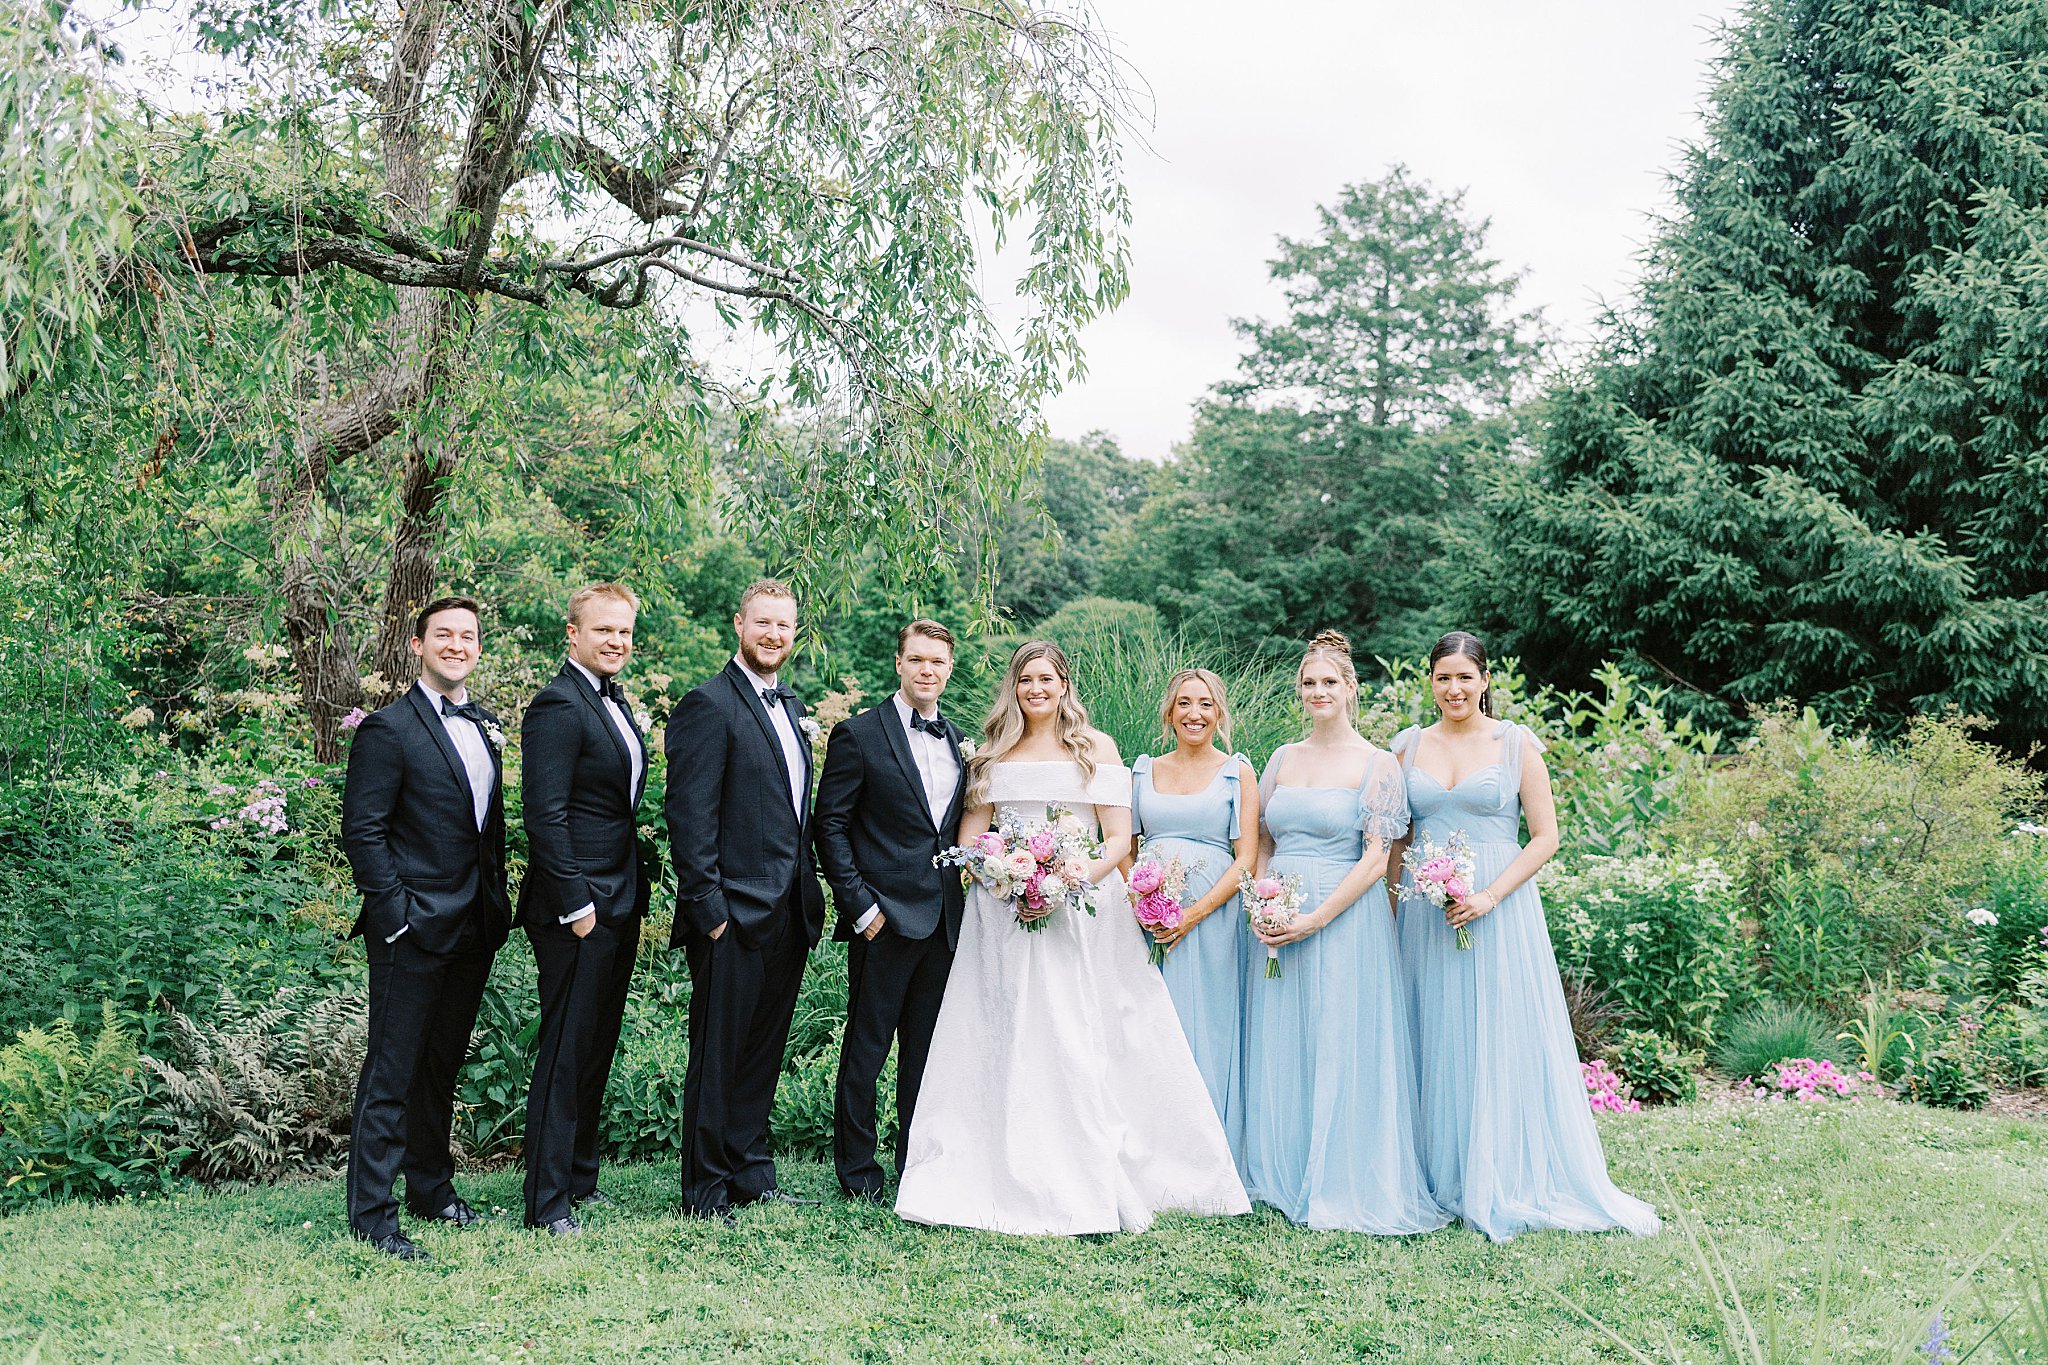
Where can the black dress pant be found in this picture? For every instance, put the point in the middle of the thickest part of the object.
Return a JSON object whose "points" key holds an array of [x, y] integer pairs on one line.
{"points": [[422, 1009], [893, 989], [583, 985], [741, 1003]]}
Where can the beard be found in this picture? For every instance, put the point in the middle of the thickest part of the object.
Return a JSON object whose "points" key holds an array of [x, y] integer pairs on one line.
{"points": [[759, 665]]}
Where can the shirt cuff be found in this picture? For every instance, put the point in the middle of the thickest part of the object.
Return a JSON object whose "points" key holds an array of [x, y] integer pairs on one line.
{"points": [[860, 926], [589, 909], [401, 929]]}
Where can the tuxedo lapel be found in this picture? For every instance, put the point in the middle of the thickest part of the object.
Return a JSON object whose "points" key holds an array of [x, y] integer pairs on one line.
{"points": [[751, 700], [899, 745], [438, 732], [601, 710]]}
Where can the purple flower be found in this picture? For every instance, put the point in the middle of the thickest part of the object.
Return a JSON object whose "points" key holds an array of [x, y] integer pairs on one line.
{"points": [[312, 782], [356, 716], [1936, 1350]]}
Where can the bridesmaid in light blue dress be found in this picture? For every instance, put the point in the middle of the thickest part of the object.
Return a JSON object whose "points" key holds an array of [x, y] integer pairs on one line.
{"points": [[1199, 804], [1507, 1134], [1330, 1068]]}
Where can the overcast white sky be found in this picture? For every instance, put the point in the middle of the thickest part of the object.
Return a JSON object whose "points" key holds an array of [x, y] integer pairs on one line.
{"points": [[1559, 118]]}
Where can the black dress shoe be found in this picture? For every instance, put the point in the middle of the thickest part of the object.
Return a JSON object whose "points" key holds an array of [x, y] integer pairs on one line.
{"points": [[397, 1246], [596, 1199], [561, 1227], [722, 1214], [458, 1214], [781, 1196]]}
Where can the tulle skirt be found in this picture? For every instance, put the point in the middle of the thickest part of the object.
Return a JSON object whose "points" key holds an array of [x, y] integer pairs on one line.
{"points": [[1330, 1071], [1205, 976], [1507, 1136]]}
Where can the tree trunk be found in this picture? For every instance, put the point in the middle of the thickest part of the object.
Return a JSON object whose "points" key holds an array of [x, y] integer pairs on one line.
{"points": [[415, 556]]}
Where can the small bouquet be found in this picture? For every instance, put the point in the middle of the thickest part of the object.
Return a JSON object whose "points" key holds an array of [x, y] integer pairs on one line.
{"points": [[1270, 904], [1038, 866], [1441, 874], [1156, 888]]}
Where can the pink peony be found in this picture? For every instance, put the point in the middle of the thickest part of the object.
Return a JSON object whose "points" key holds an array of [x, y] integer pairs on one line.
{"points": [[1043, 845], [1438, 869], [990, 843], [1266, 888], [1147, 878], [1457, 888], [1034, 891]]}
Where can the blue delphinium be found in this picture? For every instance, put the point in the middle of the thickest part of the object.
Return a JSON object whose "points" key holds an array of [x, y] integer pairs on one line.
{"points": [[1936, 1349]]}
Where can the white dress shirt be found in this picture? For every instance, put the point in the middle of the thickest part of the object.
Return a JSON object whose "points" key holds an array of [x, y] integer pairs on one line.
{"points": [[785, 730], [474, 751], [936, 768], [629, 734]]}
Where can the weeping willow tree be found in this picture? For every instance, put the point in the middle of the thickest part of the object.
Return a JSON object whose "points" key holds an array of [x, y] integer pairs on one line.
{"points": [[336, 276]]}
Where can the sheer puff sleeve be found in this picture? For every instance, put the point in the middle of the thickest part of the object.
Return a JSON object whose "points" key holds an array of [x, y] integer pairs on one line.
{"points": [[1383, 800]]}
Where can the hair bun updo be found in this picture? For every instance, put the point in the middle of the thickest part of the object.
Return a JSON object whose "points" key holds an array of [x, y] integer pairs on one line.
{"points": [[1333, 640]]}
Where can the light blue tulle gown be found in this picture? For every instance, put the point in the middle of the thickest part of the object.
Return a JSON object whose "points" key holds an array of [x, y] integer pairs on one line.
{"points": [[1205, 971], [1507, 1135], [1329, 1066]]}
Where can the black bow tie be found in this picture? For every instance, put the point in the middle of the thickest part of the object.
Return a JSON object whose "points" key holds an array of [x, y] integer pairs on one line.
{"points": [[936, 726], [773, 697], [608, 690], [468, 710]]}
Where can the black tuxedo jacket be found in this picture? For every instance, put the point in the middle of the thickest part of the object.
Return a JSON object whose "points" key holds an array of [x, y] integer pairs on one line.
{"points": [[578, 798], [741, 852], [876, 839], [408, 825]]}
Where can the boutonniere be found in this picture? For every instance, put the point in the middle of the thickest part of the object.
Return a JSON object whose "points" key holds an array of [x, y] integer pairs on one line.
{"points": [[495, 735], [968, 748], [810, 728], [644, 719]]}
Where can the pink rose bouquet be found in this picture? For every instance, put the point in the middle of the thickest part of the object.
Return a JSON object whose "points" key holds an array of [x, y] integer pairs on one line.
{"points": [[1038, 867], [1156, 887], [1270, 905], [1442, 875]]}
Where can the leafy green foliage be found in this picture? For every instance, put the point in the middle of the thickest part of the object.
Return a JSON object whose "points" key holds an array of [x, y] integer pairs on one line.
{"points": [[1955, 1073], [71, 1116], [1658, 1069], [1661, 935], [1810, 462], [263, 1089], [1774, 1031]]}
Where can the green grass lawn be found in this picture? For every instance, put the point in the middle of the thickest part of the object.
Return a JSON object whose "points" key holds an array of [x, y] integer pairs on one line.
{"points": [[269, 1274]]}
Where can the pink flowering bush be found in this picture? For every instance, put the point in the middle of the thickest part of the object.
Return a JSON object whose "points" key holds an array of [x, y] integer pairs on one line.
{"points": [[264, 810], [1606, 1091], [1808, 1081]]}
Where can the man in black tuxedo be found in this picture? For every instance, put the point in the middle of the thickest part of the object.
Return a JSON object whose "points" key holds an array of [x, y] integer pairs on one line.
{"points": [[423, 824], [586, 888], [748, 907], [888, 803]]}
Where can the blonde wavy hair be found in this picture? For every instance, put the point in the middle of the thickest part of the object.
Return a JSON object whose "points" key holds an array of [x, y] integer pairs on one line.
{"points": [[1220, 736], [1003, 731], [1335, 646]]}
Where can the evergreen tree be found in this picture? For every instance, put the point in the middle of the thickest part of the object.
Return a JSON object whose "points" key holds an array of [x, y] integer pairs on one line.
{"points": [[1813, 461], [1318, 484]]}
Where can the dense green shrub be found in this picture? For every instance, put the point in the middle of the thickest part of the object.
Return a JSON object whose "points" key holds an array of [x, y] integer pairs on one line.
{"points": [[643, 1108], [1658, 1070], [1816, 945], [262, 1089], [117, 889], [71, 1116], [1659, 933], [490, 1096], [1900, 831], [1774, 1031], [1953, 1073], [2016, 892]]}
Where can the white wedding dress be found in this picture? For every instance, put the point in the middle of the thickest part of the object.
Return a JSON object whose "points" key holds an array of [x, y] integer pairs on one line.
{"points": [[1060, 1096]]}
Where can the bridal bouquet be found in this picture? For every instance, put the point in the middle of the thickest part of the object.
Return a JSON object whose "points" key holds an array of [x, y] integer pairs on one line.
{"points": [[1441, 874], [1270, 903], [1038, 866], [1156, 888]]}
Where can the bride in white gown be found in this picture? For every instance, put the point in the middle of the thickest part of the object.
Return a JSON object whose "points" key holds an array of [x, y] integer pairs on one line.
{"points": [[1060, 1095]]}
